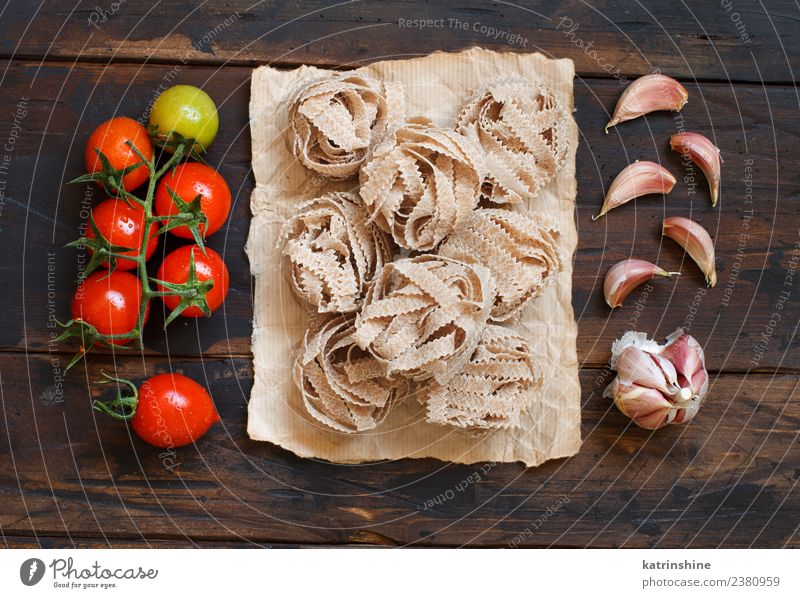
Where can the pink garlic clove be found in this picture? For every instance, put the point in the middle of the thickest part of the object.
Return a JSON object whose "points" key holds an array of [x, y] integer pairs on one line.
{"points": [[647, 407], [705, 154], [635, 366], [626, 275], [696, 241], [637, 179], [686, 354], [649, 94]]}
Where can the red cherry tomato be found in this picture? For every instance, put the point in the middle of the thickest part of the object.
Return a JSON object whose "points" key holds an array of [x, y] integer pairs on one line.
{"points": [[122, 224], [110, 302], [175, 269], [173, 411], [189, 180], [111, 138]]}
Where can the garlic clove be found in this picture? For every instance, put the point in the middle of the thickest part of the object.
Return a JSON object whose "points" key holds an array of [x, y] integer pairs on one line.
{"points": [[635, 366], [637, 179], [646, 407], [686, 354], [696, 241], [626, 275], [705, 154], [649, 94]]}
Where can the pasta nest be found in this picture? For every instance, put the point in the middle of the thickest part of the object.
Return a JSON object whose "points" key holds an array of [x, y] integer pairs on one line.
{"points": [[523, 132], [423, 186], [332, 251], [422, 316], [520, 250], [494, 387], [342, 386], [336, 122]]}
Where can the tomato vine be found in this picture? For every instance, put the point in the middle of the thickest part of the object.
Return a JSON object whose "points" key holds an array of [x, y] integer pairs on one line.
{"points": [[189, 214]]}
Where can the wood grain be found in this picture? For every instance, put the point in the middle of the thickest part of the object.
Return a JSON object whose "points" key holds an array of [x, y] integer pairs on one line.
{"points": [[746, 41], [731, 319], [727, 479], [71, 478]]}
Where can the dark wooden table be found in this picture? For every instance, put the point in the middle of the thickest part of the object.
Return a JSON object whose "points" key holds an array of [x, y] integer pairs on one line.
{"points": [[69, 477]]}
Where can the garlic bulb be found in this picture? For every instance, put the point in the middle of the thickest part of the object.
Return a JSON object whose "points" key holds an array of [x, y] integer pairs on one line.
{"points": [[657, 384]]}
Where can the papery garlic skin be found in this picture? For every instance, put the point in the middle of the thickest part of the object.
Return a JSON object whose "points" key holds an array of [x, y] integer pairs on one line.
{"points": [[661, 384], [696, 241], [649, 94], [705, 154], [635, 180], [626, 275]]}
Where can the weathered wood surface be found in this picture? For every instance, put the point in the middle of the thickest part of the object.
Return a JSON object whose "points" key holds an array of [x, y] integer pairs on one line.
{"points": [[69, 478], [42, 212], [729, 479], [743, 40]]}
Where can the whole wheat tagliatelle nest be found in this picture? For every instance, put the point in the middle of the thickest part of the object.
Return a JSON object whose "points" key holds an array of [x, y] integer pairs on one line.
{"points": [[332, 251], [423, 319], [423, 316], [519, 249], [336, 122], [342, 386], [523, 132], [493, 387], [423, 186]]}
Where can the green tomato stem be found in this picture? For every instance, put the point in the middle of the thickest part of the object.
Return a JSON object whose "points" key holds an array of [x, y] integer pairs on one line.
{"points": [[149, 220]]}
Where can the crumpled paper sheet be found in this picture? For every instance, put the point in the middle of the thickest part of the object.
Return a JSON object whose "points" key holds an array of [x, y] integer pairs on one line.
{"points": [[436, 86]]}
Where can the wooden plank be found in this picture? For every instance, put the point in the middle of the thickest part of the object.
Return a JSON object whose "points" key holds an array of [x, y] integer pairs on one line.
{"points": [[755, 227], [708, 40], [50, 542], [728, 479]]}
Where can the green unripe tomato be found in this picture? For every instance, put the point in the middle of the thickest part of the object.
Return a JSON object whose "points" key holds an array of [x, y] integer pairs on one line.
{"points": [[188, 111]]}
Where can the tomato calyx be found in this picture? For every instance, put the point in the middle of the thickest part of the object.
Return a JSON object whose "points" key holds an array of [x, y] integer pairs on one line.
{"points": [[123, 406], [169, 142], [89, 336], [190, 214], [101, 249], [110, 177], [193, 292]]}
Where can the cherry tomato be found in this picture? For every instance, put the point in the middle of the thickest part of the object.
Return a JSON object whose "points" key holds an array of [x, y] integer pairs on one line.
{"points": [[122, 224], [188, 111], [175, 268], [173, 411], [189, 180], [110, 302], [111, 138]]}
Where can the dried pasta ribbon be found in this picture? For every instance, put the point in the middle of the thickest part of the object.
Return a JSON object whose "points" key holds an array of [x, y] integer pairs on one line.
{"points": [[342, 386], [336, 122], [423, 316], [524, 133], [424, 186], [520, 250], [492, 389], [332, 251]]}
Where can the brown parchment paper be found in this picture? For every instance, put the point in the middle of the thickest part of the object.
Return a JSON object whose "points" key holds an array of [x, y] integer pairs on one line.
{"points": [[436, 86]]}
